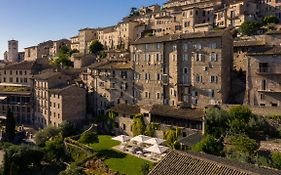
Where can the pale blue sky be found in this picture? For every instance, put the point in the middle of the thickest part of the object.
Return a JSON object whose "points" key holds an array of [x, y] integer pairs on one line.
{"points": [[34, 21]]}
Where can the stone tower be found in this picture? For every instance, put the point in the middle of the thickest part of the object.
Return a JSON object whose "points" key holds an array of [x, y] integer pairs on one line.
{"points": [[13, 47]]}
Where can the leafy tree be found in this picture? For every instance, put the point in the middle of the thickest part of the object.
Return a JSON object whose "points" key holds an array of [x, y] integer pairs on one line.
{"points": [[138, 125], [242, 144], [249, 28], [145, 169], [172, 137], [96, 47], [19, 158], [209, 144], [45, 134], [276, 160], [67, 129], [10, 126], [272, 19], [239, 117], [88, 137], [150, 129], [216, 122], [62, 60], [55, 148]]}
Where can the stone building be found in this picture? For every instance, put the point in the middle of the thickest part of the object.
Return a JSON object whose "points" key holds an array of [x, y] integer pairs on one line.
{"points": [[190, 70], [263, 77], [20, 73], [110, 83], [41, 50], [57, 99], [57, 45]]}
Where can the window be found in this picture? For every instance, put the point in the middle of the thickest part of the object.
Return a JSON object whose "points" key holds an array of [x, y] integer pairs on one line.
{"points": [[213, 79], [158, 95], [146, 46], [174, 47], [185, 47], [158, 45], [213, 45], [185, 57], [147, 94], [211, 93], [198, 57], [123, 126], [146, 76], [185, 70], [158, 77], [199, 79], [263, 85], [213, 56]]}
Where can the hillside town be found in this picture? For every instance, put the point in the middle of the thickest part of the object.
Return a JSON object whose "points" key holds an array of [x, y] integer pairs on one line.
{"points": [[201, 76]]}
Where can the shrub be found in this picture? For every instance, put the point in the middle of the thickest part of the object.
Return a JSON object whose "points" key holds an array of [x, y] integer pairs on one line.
{"points": [[276, 160], [210, 145], [88, 137]]}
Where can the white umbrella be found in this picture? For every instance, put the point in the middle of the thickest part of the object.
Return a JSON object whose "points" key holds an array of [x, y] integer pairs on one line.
{"points": [[157, 149], [154, 141], [121, 138], [140, 138]]}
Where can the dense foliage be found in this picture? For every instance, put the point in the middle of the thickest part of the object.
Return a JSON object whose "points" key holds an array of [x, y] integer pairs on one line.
{"points": [[209, 144], [88, 137], [171, 136], [249, 28], [138, 125], [97, 48], [10, 126], [272, 19]]}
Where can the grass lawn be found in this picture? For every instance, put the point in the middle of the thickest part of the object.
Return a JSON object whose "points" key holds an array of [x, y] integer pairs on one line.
{"points": [[118, 161]]}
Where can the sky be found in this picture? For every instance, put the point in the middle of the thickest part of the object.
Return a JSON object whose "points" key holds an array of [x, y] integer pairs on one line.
{"points": [[34, 21]]}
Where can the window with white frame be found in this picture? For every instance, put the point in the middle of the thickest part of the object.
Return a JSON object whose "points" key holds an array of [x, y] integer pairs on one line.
{"points": [[158, 45], [198, 57], [146, 76], [146, 46], [213, 56], [213, 79], [213, 45]]}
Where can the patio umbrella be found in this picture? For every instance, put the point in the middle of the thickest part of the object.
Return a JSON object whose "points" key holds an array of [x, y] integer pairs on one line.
{"points": [[121, 138], [154, 141], [140, 138], [157, 149]]}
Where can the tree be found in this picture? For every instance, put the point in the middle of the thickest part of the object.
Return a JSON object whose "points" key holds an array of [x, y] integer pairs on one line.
{"points": [[210, 145], [276, 160], [150, 129], [239, 117], [242, 144], [272, 19], [171, 137], [216, 122], [45, 134], [10, 125], [88, 137], [55, 148], [67, 129], [249, 28], [96, 47], [145, 169], [138, 125], [62, 60]]}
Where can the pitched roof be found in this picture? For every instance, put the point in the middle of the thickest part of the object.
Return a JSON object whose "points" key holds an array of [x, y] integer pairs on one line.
{"points": [[169, 111], [125, 109], [47, 74], [247, 43], [115, 65], [156, 39], [176, 163], [62, 88], [21, 65], [265, 51]]}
